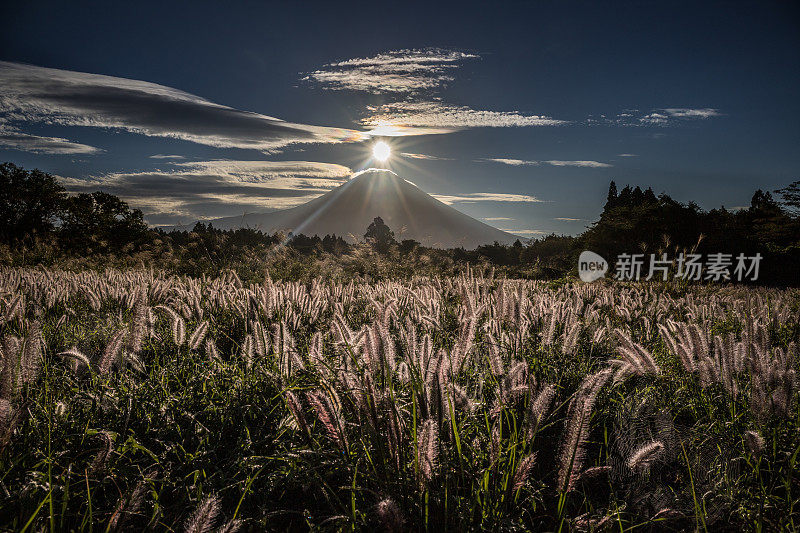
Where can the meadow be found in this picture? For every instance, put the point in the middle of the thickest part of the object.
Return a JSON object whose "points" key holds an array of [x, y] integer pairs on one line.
{"points": [[136, 399]]}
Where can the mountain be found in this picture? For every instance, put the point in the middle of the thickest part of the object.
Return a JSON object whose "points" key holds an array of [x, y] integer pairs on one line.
{"points": [[348, 210]]}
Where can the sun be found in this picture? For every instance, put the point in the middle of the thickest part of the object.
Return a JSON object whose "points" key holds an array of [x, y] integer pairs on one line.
{"points": [[381, 151]]}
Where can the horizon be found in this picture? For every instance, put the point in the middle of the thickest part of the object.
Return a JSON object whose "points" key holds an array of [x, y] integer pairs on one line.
{"points": [[522, 129]]}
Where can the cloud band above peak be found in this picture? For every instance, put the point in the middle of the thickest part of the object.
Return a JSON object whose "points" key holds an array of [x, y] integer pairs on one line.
{"points": [[36, 94]]}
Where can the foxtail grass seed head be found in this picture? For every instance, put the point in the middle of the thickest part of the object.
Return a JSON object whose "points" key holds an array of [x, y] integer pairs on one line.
{"points": [[645, 455], [427, 451], [389, 515], [754, 442], [203, 518]]}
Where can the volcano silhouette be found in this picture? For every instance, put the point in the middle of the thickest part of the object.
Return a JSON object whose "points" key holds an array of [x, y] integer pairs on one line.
{"points": [[347, 211]]}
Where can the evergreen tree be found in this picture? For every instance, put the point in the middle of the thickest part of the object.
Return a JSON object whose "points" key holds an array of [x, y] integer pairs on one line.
{"points": [[790, 196], [611, 199], [379, 235]]}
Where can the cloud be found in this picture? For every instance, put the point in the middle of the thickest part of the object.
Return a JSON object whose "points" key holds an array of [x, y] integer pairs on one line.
{"points": [[485, 197], [270, 171], [16, 140], [444, 118], [668, 116], [398, 71], [164, 156], [523, 231], [425, 157], [36, 94], [589, 164], [627, 155], [654, 118], [684, 112], [567, 219], [553, 162], [412, 78], [512, 162], [210, 189], [497, 218]]}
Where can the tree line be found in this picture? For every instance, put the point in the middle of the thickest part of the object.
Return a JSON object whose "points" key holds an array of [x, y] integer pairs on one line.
{"points": [[36, 212], [34, 205]]}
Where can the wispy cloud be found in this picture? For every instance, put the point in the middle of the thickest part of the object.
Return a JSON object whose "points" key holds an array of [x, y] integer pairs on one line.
{"points": [[444, 118], [627, 155], [410, 80], [485, 197], [512, 162], [552, 162], [398, 71], [685, 112], [589, 164], [166, 156], [497, 219], [655, 118], [668, 116], [567, 219], [16, 140], [36, 94], [425, 157], [211, 189], [523, 231], [271, 171]]}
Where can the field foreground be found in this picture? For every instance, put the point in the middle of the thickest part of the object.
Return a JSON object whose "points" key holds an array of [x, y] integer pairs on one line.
{"points": [[133, 399]]}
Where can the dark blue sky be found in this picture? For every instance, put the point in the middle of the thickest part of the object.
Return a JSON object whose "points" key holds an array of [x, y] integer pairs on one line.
{"points": [[532, 104]]}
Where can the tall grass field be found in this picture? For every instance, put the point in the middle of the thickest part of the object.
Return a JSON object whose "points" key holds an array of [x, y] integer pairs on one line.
{"points": [[137, 400]]}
